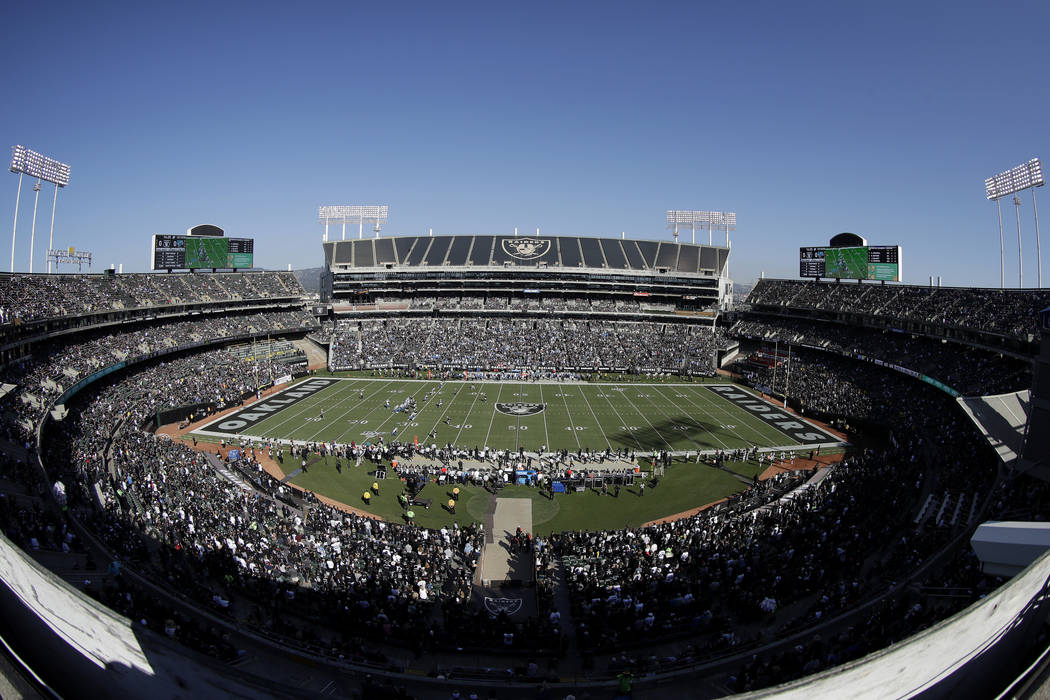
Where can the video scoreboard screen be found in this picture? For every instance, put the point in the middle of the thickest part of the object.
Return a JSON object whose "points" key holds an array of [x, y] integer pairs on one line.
{"points": [[202, 253], [873, 262]]}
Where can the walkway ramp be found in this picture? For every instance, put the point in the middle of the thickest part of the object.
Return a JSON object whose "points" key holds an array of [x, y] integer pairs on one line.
{"points": [[506, 579]]}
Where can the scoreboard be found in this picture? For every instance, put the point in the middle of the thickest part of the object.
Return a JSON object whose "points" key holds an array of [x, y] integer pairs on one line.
{"points": [[876, 262], [172, 252]]}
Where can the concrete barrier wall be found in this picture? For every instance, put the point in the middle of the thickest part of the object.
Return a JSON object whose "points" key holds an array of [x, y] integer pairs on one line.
{"points": [[81, 648]]}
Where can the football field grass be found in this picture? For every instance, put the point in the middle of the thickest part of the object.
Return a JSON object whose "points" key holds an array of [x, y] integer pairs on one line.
{"points": [[678, 417], [641, 417], [685, 485]]}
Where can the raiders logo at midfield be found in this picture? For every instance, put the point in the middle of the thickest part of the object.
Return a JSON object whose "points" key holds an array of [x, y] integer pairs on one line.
{"points": [[526, 248], [507, 605], [520, 409]]}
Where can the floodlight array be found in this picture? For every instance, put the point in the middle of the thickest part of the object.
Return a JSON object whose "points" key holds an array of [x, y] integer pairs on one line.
{"points": [[1022, 177], [355, 213], [39, 166], [712, 218]]}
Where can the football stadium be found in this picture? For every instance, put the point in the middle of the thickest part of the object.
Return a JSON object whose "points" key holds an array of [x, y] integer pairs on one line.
{"points": [[357, 351], [483, 463]]}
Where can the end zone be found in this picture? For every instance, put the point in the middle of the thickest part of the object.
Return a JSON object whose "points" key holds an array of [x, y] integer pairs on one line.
{"points": [[793, 426], [240, 420]]}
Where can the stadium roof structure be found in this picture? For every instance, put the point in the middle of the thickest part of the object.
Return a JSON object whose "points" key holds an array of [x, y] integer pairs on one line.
{"points": [[558, 252]]}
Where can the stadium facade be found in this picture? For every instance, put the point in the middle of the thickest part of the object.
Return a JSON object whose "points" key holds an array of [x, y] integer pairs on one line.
{"points": [[691, 279]]}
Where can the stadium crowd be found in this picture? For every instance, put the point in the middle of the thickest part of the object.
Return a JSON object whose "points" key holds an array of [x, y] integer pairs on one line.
{"points": [[45, 375], [785, 557], [539, 344], [966, 369], [223, 541], [25, 298], [522, 303], [730, 582], [1011, 312]]}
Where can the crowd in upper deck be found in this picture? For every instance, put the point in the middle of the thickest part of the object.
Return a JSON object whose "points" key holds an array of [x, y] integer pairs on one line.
{"points": [[25, 298], [1011, 312]]}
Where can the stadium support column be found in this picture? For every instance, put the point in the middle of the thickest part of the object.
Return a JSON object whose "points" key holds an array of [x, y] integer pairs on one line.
{"points": [[1020, 260], [1002, 247], [51, 236], [729, 252], [14, 229], [32, 230], [1038, 244]]}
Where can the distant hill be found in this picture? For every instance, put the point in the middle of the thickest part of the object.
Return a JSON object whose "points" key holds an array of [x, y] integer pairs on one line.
{"points": [[310, 278]]}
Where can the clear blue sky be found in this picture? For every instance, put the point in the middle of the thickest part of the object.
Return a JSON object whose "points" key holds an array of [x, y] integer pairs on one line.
{"points": [[579, 118]]}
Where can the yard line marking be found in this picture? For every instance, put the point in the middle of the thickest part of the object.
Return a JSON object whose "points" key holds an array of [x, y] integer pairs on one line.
{"points": [[296, 412], [572, 424], [375, 409], [598, 423], [735, 413], [370, 412], [463, 422], [546, 434], [445, 412], [338, 404], [493, 418], [714, 434], [688, 436], [419, 409], [646, 418], [517, 423], [392, 415]]}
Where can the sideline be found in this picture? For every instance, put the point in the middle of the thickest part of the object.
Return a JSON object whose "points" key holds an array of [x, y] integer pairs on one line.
{"points": [[777, 468]]}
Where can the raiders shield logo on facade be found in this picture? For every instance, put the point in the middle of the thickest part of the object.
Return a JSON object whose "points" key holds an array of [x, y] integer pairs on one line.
{"points": [[520, 409], [526, 248], [507, 605]]}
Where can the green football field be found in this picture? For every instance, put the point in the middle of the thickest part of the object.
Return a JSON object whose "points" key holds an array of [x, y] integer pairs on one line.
{"points": [[642, 417], [685, 485]]}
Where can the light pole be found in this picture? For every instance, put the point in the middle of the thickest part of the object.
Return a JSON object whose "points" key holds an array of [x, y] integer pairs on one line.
{"points": [[711, 218], [1020, 260], [1038, 244], [44, 169], [1022, 177], [32, 230], [51, 236], [1002, 249], [352, 214], [14, 229]]}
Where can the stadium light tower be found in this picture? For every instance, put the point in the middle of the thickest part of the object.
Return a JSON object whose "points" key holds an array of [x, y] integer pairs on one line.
{"points": [[711, 218], [44, 169], [352, 214], [1025, 176]]}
